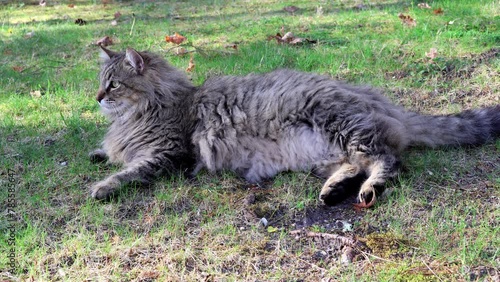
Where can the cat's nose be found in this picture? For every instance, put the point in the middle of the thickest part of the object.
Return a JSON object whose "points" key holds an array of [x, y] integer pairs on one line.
{"points": [[100, 96]]}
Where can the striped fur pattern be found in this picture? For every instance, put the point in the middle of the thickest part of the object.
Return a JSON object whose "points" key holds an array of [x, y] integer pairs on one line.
{"points": [[262, 124]]}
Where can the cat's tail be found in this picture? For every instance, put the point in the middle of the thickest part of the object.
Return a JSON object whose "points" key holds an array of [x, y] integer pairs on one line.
{"points": [[471, 127]]}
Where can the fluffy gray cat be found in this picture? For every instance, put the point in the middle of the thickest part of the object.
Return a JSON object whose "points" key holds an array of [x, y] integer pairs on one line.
{"points": [[262, 124]]}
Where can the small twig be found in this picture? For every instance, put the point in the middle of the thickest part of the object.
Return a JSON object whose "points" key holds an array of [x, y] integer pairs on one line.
{"points": [[365, 254], [255, 267], [341, 239], [57, 61], [133, 24], [305, 261], [175, 47], [30, 67], [312, 264], [428, 267]]}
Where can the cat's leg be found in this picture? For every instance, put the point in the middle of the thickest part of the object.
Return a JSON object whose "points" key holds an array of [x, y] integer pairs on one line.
{"points": [[343, 182], [374, 141], [381, 169], [325, 169], [98, 156], [366, 171], [140, 172]]}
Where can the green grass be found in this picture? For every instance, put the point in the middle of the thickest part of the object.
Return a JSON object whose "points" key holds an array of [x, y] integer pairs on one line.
{"points": [[439, 220]]}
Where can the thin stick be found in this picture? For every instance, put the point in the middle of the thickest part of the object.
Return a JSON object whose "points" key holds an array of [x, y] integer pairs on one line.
{"points": [[342, 240], [133, 24], [435, 274], [365, 254], [313, 265]]}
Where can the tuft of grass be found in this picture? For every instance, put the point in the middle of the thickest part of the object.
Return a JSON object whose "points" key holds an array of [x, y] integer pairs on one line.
{"points": [[438, 220]]}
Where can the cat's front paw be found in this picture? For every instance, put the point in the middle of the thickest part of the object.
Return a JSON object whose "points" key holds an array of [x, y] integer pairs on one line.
{"points": [[104, 189], [98, 156]]}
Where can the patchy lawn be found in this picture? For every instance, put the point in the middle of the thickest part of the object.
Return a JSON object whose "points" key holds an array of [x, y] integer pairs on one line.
{"points": [[439, 221]]}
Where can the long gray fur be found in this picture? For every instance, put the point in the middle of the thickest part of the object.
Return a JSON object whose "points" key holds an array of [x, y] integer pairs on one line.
{"points": [[262, 124]]}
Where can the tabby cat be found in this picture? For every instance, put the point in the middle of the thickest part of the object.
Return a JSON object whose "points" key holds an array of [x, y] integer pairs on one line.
{"points": [[262, 124]]}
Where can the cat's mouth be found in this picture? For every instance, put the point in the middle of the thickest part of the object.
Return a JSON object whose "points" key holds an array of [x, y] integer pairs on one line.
{"points": [[110, 106], [107, 103]]}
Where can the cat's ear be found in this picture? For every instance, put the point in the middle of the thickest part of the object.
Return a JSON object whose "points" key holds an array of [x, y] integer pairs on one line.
{"points": [[135, 60], [106, 54]]}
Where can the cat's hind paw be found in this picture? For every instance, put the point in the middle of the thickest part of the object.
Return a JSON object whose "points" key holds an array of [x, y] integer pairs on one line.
{"points": [[367, 196], [334, 192]]}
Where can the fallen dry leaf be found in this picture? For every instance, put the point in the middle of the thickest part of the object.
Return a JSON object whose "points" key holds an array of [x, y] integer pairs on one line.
{"points": [[148, 275], [438, 11], [17, 68], [365, 205], [423, 6], [176, 38], [191, 65], [179, 51], [116, 239], [289, 38], [277, 37], [234, 46], [80, 22], [71, 5], [117, 15], [407, 20], [432, 53], [360, 206], [105, 41], [149, 220], [291, 9], [36, 94], [29, 34]]}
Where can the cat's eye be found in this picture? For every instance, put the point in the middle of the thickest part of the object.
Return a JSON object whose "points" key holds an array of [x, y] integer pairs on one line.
{"points": [[114, 84]]}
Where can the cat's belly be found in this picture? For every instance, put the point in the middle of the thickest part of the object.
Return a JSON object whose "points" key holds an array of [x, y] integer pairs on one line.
{"points": [[256, 158]]}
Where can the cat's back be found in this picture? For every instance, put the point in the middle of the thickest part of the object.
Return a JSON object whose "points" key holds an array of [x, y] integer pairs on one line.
{"points": [[285, 93], [275, 84], [260, 96]]}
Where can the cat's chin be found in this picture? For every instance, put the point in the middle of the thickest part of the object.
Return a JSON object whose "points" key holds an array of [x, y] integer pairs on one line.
{"points": [[111, 113], [121, 116], [114, 109]]}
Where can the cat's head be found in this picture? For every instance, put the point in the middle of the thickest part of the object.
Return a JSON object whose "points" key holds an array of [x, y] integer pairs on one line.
{"points": [[120, 83], [131, 82]]}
